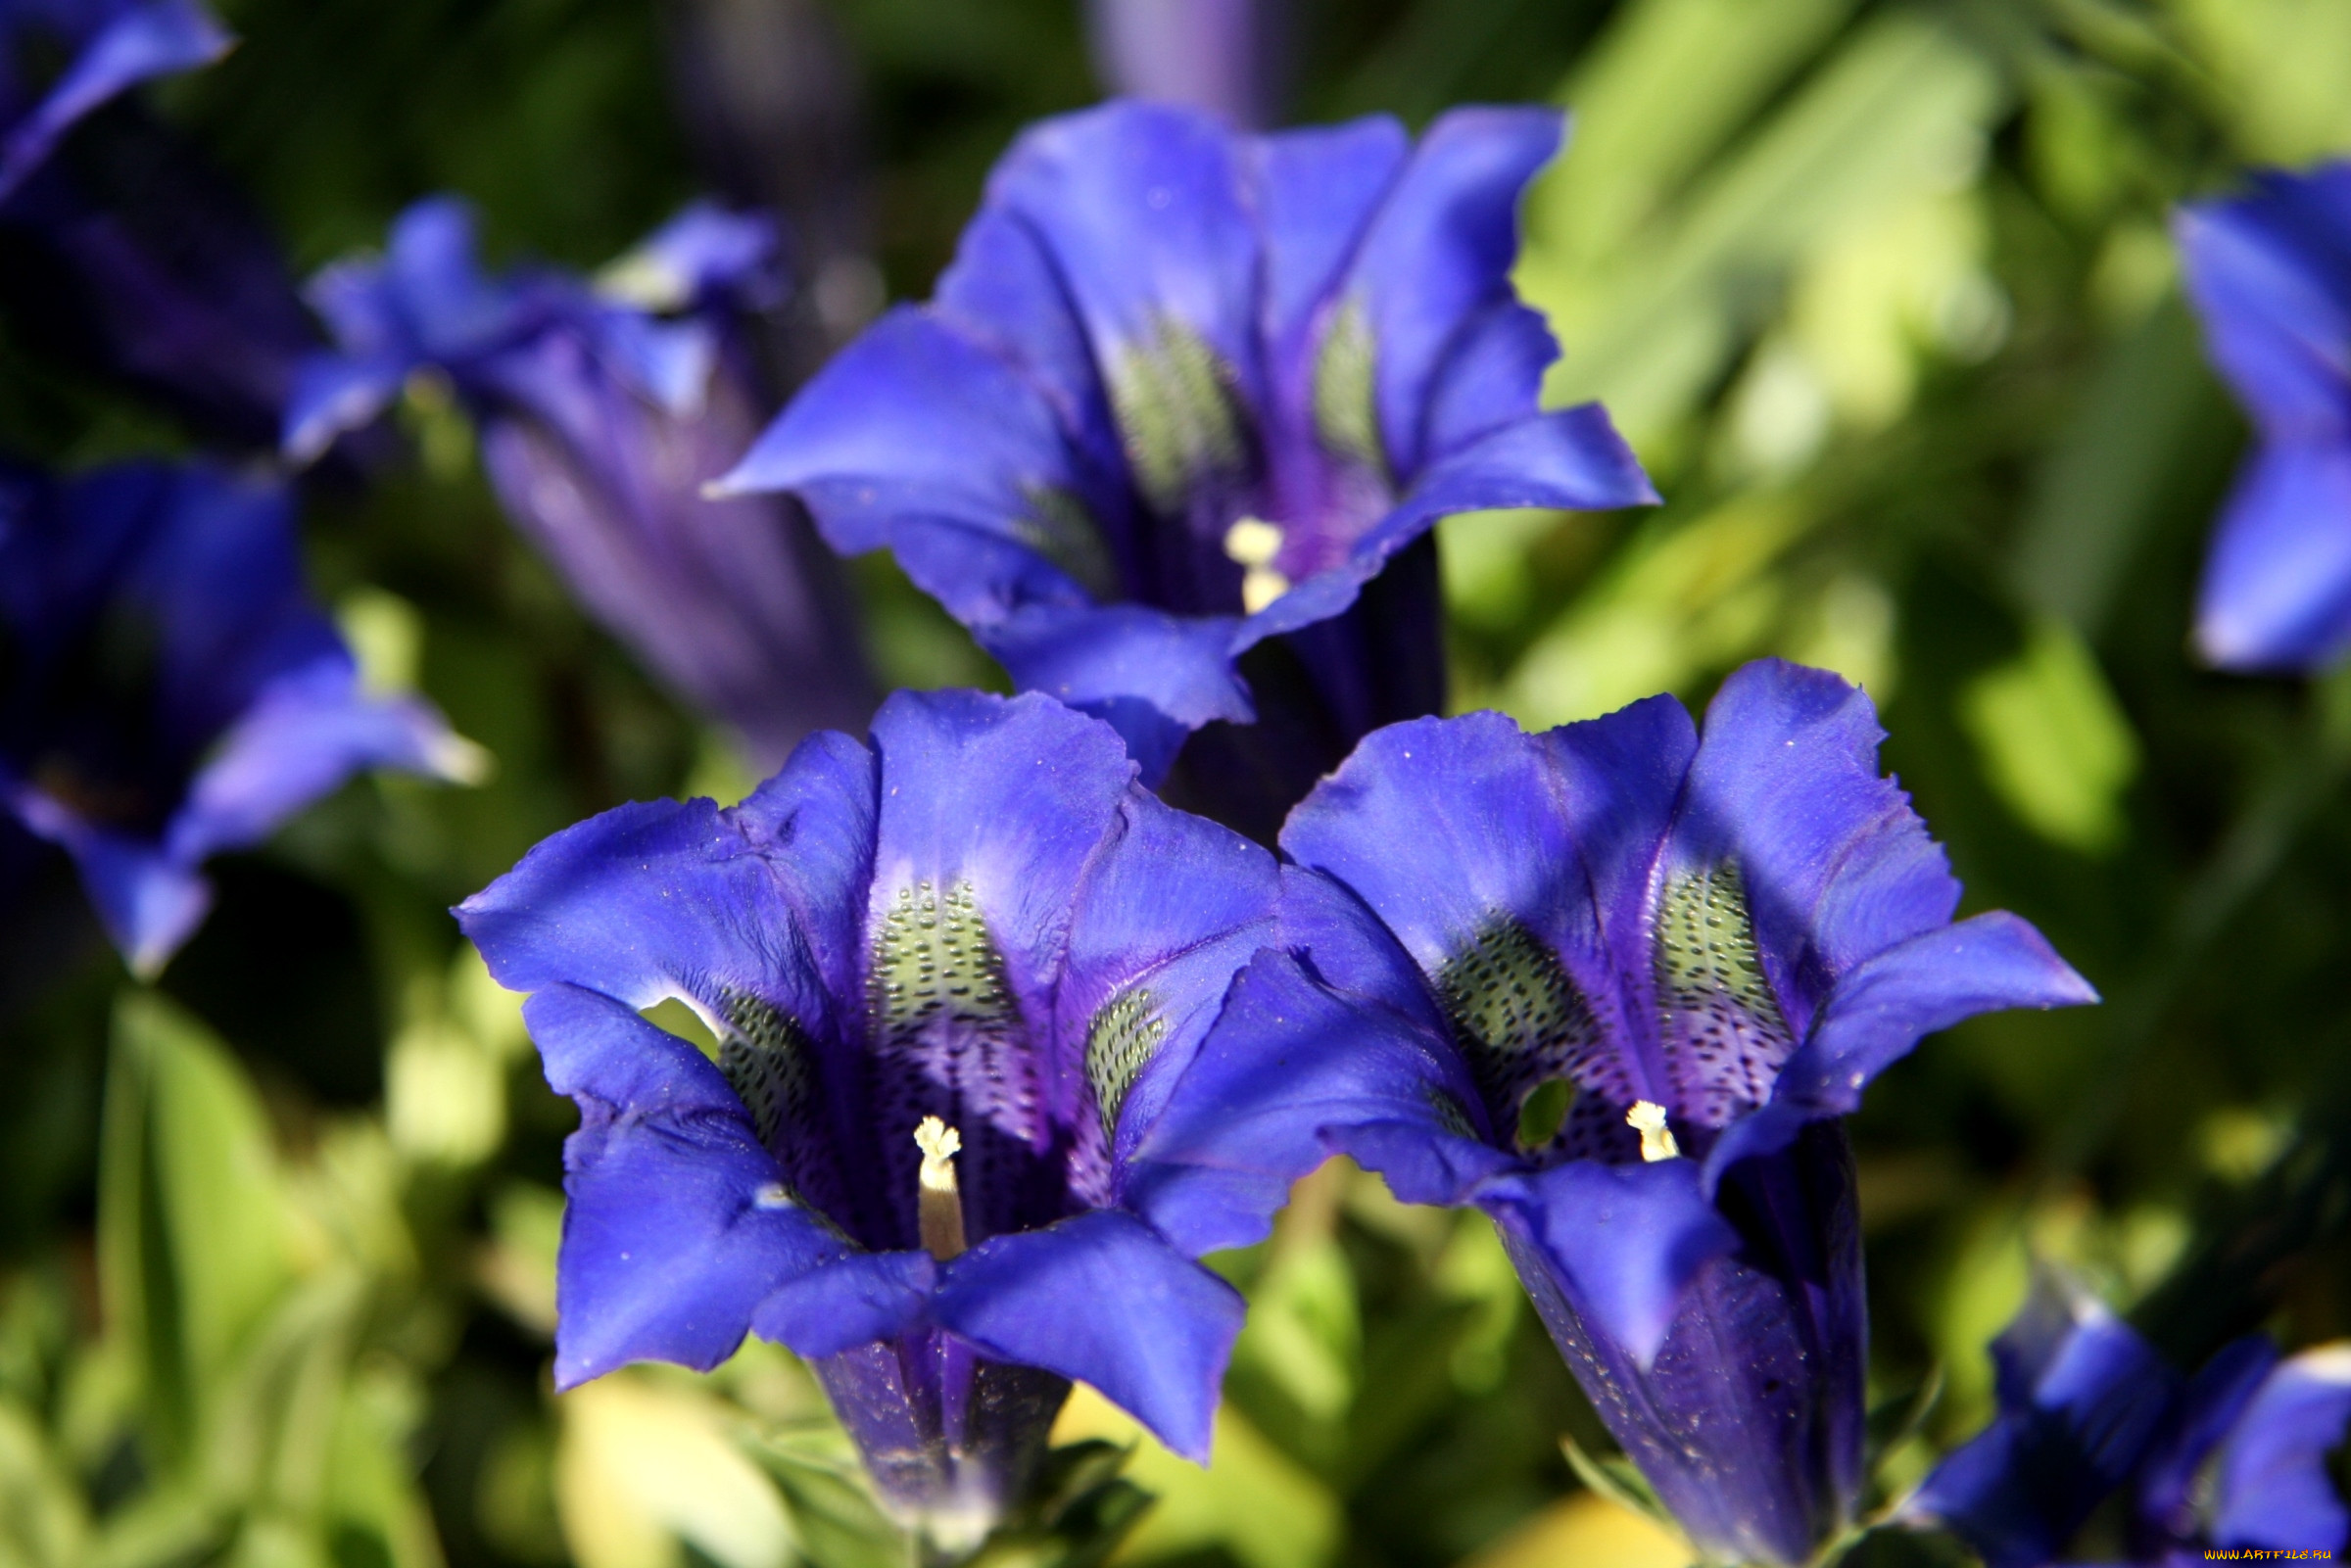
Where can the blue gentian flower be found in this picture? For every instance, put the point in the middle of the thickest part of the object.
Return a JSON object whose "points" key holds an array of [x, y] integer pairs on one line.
{"points": [[61, 59], [167, 690], [953, 975], [2270, 274], [1224, 56], [126, 250], [603, 413], [2234, 1457], [1185, 391], [1614, 985]]}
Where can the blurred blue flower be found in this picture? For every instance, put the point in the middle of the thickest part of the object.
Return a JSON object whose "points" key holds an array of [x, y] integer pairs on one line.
{"points": [[167, 690], [953, 975], [602, 414], [1613, 986], [2270, 274], [2233, 1457], [120, 247], [126, 250], [1224, 56], [61, 58], [1185, 391]]}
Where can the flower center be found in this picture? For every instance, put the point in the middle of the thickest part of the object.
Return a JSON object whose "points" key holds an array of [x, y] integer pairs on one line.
{"points": [[1647, 1118], [941, 1204], [1252, 544]]}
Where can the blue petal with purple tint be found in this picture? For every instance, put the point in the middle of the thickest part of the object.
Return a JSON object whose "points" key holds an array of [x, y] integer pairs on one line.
{"points": [[1156, 330], [977, 916], [2270, 275], [2274, 1488], [678, 1225], [1153, 1335], [605, 411], [2083, 1397], [110, 47], [1729, 932], [170, 691]]}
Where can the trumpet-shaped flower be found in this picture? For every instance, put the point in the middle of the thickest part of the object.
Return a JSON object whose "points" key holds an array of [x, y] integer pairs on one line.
{"points": [[603, 415], [1185, 391], [126, 250], [61, 59], [953, 975], [167, 692], [2270, 274], [1613, 985], [2234, 1457], [1224, 56]]}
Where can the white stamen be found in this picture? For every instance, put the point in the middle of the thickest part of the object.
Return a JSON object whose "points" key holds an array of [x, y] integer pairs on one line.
{"points": [[1647, 1118], [1261, 586], [939, 1204], [1253, 542]]}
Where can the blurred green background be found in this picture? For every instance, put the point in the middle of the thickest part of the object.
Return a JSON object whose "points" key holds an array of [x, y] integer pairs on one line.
{"points": [[1883, 294]]}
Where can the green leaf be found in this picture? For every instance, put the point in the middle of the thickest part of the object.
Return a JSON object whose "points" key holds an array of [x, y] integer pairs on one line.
{"points": [[193, 1226], [1649, 325], [2053, 741]]}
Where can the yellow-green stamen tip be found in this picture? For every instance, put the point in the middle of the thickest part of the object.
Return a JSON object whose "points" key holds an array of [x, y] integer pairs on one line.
{"points": [[939, 1213], [1253, 542], [1647, 1118]]}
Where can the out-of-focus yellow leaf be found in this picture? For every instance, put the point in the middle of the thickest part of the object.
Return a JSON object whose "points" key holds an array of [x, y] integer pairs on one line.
{"points": [[2280, 63], [445, 1098], [642, 1465], [2053, 741], [1584, 1529], [1251, 1500], [42, 1521], [518, 1266], [195, 1236], [1902, 109], [1303, 1333], [1657, 96], [1474, 1269]]}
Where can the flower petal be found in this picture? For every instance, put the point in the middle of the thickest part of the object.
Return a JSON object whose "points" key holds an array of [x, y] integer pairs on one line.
{"points": [[1004, 291], [2082, 1396], [2275, 1488], [1104, 1299], [2277, 588], [1627, 1240], [1153, 677], [676, 1226], [1142, 207], [2265, 272], [141, 41], [1837, 867], [1317, 190], [915, 418], [1470, 839], [859, 1299], [1172, 908], [1011, 797], [1288, 1063], [2210, 1408], [1885, 1006], [1440, 251], [149, 901], [332, 394], [304, 735], [1573, 459], [667, 899]]}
